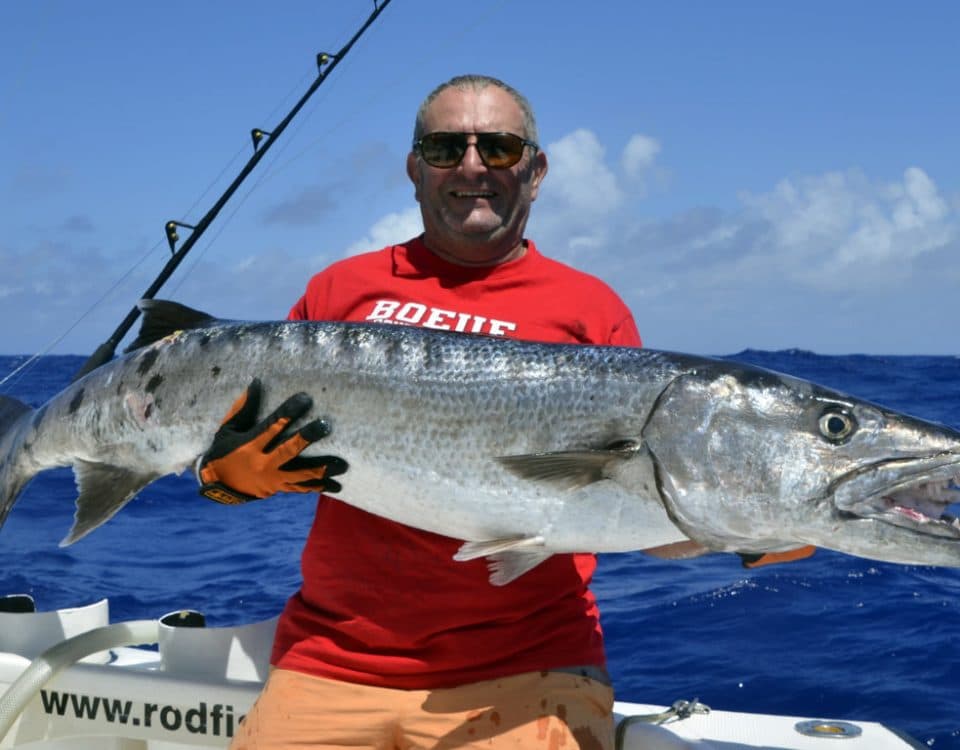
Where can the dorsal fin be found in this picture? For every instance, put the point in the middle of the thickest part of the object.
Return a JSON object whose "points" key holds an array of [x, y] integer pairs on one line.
{"points": [[162, 317]]}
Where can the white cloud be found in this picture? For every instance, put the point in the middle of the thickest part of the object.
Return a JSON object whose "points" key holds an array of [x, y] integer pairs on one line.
{"points": [[817, 261], [392, 228], [578, 179], [578, 198], [639, 155], [841, 229]]}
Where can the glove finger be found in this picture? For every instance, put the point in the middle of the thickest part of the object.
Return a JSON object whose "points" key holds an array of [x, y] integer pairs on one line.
{"points": [[333, 465], [283, 444], [293, 408], [289, 444], [315, 430], [289, 411], [321, 485], [243, 413]]}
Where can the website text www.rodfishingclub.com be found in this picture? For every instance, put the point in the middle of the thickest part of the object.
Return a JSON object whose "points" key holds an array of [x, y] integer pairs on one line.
{"points": [[216, 719]]}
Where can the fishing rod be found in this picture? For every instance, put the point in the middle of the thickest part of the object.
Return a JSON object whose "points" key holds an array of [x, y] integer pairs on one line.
{"points": [[262, 141]]}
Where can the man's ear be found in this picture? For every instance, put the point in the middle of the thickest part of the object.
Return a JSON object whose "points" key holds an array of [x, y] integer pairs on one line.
{"points": [[413, 172], [539, 167]]}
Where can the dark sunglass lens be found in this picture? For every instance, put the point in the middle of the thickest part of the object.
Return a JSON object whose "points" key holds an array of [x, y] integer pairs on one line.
{"points": [[500, 150], [443, 149]]}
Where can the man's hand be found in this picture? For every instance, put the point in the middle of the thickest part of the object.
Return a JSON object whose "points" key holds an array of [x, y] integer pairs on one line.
{"points": [[758, 560], [250, 459]]}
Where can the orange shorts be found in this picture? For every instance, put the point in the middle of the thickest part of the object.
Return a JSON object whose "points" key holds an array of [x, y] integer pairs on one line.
{"points": [[548, 710]]}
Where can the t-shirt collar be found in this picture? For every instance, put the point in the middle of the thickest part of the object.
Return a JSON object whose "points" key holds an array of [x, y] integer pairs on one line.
{"points": [[412, 259]]}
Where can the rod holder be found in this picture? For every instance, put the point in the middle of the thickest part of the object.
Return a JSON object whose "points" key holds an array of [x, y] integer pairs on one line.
{"points": [[171, 230], [257, 135]]}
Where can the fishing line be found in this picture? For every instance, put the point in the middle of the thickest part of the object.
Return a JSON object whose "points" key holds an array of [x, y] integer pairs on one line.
{"points": [[275, 168], [33, 51], [109, 291], [326, 64], [29, 361], [453, 41], [239, 153], [84, 315], [283, 105], [241, 150], [261, 178]]}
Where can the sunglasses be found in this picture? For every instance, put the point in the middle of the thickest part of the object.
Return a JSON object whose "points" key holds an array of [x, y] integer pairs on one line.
{"points": [[496, 150]]}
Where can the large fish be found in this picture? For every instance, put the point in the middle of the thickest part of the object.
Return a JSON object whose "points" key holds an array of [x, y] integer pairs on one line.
{"points": [[520, 449]]}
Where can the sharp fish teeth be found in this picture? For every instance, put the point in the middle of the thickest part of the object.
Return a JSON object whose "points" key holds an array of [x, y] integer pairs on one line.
{"points": [[945, 491], [930, 505]]}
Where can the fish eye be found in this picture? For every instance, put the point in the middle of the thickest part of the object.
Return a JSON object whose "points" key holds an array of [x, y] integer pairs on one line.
{"points": [[837, 424]]}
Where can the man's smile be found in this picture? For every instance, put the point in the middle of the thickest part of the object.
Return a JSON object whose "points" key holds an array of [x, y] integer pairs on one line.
{"points": [[473, 193]]}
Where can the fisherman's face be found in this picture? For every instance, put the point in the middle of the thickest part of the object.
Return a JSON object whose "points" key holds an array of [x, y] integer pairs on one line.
{"points": [[474, 214]]}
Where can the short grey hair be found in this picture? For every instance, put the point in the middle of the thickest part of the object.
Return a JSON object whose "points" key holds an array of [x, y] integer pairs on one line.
{"points": [[478, 83]]}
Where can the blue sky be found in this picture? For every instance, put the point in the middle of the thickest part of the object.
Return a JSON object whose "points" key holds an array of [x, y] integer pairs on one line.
{"points": [[763, 175]]}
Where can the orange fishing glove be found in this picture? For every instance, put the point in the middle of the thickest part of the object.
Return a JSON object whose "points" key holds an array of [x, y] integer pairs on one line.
{"points": [[250, 459], [758, 560]]}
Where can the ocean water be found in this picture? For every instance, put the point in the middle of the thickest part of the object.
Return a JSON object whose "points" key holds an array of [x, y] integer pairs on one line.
{"points": [[831, 636]]}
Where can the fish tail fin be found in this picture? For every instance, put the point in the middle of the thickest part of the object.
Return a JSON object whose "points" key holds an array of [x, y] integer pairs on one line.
{"points": [[104, 490], [14, 418]]}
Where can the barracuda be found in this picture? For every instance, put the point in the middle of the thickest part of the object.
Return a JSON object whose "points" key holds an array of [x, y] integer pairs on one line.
{"points": [[519, 449]]}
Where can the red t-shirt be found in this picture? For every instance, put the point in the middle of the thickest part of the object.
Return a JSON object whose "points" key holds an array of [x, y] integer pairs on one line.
{"points": [[385, 604]]}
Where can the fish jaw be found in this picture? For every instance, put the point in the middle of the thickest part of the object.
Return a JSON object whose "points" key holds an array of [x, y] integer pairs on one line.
{"points": [[908, 499], [753, 461]]}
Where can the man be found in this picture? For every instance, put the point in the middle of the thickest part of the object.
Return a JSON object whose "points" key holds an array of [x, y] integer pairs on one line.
{"points": [[390, 643]]}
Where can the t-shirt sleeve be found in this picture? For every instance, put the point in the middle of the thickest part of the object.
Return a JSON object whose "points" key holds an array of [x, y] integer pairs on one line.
{"points": [[299, 309], [625, 332], [311, 306]]}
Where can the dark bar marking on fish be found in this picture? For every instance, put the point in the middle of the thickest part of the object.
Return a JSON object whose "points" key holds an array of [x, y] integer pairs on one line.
{"points": [[76, 401], [759, 379], [147, 361], [154, 383]]}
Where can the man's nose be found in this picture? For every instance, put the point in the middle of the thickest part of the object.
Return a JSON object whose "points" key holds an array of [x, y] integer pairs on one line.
{"points": [[471, 162]]}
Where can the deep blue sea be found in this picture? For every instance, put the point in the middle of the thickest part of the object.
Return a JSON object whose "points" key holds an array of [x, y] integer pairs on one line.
{"points": [[828, 637]]}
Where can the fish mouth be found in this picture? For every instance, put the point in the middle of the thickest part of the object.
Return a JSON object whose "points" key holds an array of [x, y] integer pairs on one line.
{"points": [[910, 495], [924, 508]]}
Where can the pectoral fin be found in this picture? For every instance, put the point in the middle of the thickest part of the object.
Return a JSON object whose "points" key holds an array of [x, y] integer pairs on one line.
{"points": [[678, 550], [104, 489], [507, 559], [569, 470]]}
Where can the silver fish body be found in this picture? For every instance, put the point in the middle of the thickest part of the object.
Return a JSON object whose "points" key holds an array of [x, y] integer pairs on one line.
{"points": [[520, 449]]}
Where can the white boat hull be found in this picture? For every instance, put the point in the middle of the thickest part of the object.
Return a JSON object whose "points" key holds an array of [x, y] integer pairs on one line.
{"points": [[192, 691]]}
